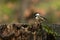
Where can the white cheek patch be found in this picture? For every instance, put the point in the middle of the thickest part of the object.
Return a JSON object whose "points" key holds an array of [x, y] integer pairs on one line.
{"points": [[37, 17]]}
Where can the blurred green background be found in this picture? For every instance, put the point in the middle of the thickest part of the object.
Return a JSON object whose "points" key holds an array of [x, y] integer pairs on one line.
{"points": [[10, 10]]}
